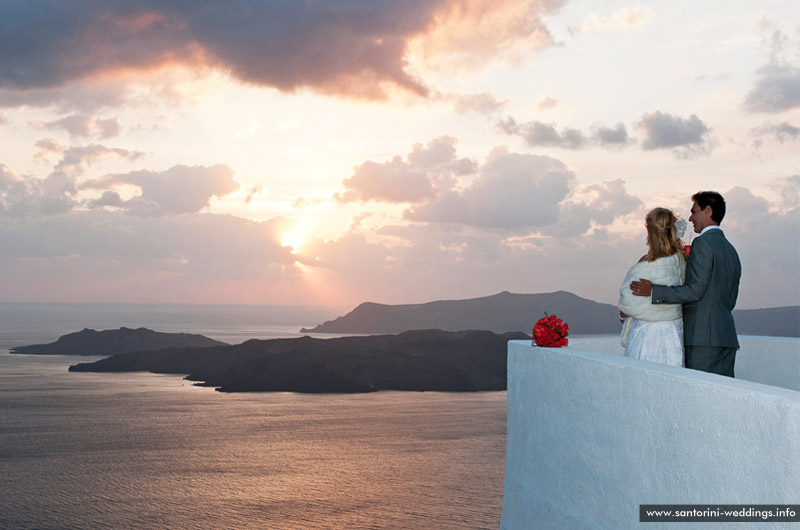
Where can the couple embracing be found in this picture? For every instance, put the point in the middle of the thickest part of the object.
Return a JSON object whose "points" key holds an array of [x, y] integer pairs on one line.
{"points": [[678, 308]]}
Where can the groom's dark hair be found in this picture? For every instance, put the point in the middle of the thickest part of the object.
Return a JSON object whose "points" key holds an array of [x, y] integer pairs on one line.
{"points": [[713, 199]]}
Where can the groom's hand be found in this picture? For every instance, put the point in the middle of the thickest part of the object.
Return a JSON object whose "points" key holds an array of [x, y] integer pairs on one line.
{"points": [[642, 287]]}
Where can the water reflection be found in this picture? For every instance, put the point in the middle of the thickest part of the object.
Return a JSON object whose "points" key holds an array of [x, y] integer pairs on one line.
{"points": [[151, 451]]}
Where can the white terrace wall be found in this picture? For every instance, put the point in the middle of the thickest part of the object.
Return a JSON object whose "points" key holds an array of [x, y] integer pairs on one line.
{"points": [[770, 360], [592, 435]]}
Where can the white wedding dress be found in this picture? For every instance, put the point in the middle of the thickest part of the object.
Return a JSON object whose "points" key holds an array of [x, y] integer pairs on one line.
{"points": [[660, 342], [653, 332]]}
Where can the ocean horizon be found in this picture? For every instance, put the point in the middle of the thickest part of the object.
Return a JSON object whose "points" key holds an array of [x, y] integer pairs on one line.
{"points": [[23, 322]]}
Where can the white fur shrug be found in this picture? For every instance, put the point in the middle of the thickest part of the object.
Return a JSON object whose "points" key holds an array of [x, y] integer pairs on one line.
{"points": [[670, 270]]}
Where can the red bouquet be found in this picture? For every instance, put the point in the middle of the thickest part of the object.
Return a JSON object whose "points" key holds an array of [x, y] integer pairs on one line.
{"points": [[550, 332]]}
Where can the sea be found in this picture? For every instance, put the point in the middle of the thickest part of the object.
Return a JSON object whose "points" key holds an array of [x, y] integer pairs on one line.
{"points": [[151, 451]]}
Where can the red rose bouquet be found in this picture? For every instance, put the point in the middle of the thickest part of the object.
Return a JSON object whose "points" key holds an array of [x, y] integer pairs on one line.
{"points": [[550, 332]]}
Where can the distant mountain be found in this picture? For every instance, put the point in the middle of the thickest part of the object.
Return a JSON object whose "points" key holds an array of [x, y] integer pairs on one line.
{"points": [[414, 360], [122, 340], [504, 312], [771, 322], [499, 313]]}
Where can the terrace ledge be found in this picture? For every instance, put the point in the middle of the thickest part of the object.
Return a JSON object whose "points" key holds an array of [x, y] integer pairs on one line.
{"points": [[593, 435]]}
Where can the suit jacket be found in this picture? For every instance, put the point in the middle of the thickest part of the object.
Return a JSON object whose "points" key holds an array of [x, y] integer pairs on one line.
{"points": [[709, 294]]}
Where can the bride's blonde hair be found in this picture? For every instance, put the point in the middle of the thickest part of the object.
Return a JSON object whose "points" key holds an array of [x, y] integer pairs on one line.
{"points": [[662, 236]]}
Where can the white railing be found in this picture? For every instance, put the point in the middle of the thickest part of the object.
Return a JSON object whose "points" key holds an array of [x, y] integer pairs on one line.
{"points": [[593, 435]]}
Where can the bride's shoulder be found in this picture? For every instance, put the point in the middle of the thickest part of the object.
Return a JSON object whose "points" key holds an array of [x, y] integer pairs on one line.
{"points": [[670, 260], [643, 258], [676, 260]]}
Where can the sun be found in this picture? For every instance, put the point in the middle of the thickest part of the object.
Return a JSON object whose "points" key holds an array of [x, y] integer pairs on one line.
{"points": [[293, 239]]}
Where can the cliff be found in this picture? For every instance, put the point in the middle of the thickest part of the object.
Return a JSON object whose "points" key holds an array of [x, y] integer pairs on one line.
{"points": [[414, 360], [111, 342]]}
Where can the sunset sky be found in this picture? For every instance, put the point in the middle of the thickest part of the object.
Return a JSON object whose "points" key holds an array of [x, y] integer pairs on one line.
{"points": [[334, 152]]}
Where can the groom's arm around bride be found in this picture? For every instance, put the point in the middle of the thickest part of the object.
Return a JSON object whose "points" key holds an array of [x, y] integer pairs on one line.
{"points": [[709, 294]]}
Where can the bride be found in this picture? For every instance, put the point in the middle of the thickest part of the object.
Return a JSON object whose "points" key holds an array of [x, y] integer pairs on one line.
{"points": [[655, 332]]}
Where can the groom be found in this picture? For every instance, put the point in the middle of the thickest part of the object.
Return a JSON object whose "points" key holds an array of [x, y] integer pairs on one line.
{"points": [[710, 291]]}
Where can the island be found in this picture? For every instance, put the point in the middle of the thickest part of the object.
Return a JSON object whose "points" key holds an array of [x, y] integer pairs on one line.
{"points": [[114, 341], [419, 360], [501, 313]]}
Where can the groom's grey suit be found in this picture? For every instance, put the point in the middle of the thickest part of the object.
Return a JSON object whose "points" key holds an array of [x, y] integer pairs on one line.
{"points": [[708, 298]]}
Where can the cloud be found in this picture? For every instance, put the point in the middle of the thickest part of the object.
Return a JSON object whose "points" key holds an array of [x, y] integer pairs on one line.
{"points": [[512, 191], [777, 89], [47, 148], [539, 134], [516, 191], [777, 85], [496, 236], [520, 193], [596, 204], [413, 180], [789, 191], [346, 47], [128, 236], [178, 190], [206, 247], [688, 137], [84, 125], [253, 191], [547, 102], [58, 192], [16, 197], [433, 260], [484, 103], [107, 128], [630, 17], [766, 240], [611, 136], [426, 244], [467, 34], [171, 87], [350, 254], [781, 132], [73, 159]]}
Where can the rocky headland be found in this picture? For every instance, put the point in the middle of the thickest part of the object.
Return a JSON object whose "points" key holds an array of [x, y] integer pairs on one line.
{"points": [[414, 360]]}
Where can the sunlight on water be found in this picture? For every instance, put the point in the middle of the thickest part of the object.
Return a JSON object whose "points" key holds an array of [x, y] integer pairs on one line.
{"points": [[144, 451]]}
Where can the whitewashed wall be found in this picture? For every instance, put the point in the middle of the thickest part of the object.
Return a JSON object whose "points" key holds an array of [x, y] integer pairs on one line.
{"points": [[592, 435], [770, 360]]}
